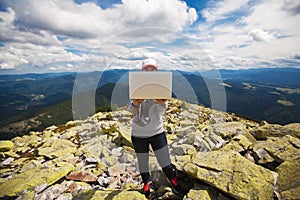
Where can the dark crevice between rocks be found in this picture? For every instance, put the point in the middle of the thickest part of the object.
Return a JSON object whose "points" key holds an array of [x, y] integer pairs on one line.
{"points": [[8, 198], [269, 165], [294, 145], [208, 168]]}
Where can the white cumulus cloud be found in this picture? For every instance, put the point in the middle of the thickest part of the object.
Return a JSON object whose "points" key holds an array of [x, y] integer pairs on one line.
{"points": [[30, 29], [261, 35]]}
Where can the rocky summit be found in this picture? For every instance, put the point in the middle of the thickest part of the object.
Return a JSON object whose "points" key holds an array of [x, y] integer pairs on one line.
{"points": [[219, 156]]}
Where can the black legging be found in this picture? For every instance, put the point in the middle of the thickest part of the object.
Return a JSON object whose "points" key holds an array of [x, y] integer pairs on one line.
{"points": [[159, 145]]}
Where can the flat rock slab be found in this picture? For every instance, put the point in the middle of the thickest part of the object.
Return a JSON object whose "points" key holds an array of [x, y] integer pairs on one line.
{"points": [[230, 172]]}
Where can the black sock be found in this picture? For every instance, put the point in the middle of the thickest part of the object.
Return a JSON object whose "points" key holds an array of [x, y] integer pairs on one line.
{"points": [[145, 177], [170, 171]]}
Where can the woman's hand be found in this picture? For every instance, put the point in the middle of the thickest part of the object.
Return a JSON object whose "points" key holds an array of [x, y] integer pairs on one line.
{"points": [[137, 102], [161, 101]]}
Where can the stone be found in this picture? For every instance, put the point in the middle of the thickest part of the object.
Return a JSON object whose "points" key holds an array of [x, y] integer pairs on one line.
{"points": [[170, 128], [40, 188], [117, 151], [216, 140], [116, 170], [110, 160], [233, 174], [57, 148], [82, 176], [28, 195], [238, 143], [32, 178], [276, 130], [129, 195], [288, 174], [180, 161], [197, 194], [95, 148], [65, 196], [184, 149], [125, 134], [189, 115], [7, 161], [186, 123], [262, 156], [201, 144], [229, 129], [103, 181], [280, 148], [6, 145], [52, 192], [291, 194]]}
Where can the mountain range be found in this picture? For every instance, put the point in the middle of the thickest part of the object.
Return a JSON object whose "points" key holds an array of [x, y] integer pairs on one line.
{"points": [[35, 101]]}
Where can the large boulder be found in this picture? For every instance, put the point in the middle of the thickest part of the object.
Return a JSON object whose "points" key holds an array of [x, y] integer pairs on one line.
{"points": [[291, 193], [280, 148], [34, 177], [6, 145], [276, 130], [289, 178], [229, 129], [233, 174]]}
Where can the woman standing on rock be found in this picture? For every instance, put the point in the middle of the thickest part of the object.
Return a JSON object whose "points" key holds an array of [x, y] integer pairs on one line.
{"points": [[147, 128]]}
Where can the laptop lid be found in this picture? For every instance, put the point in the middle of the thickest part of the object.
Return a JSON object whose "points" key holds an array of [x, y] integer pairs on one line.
{"points": [[150, 85]]}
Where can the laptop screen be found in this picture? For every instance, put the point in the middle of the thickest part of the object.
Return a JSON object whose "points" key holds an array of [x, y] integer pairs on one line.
{"points": [[150, 85]]}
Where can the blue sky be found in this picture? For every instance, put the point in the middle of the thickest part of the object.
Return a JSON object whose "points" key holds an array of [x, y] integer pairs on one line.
{"points": [[86, 35]]}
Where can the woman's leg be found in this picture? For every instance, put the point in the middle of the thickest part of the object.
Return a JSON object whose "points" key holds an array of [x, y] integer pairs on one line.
{"points": [[141, 147], [160, 147]]}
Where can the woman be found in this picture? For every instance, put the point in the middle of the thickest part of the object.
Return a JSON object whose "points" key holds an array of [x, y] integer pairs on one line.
{"points": [[147, 129]]}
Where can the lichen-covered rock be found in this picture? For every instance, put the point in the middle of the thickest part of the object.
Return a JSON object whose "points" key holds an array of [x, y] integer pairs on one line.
{"points": [[197, 194], [129, 195], [233, 174], [293, 194], [183, 149], [238, 143], [229, 129], [276, 130], [57, 148], [32, 178], [125, 134], [6, 145], [112, 194], [289, 176], [280, 148]]}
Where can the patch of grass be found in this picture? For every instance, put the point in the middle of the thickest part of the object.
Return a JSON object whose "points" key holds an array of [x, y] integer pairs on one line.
{"points": [[289, 90], [285, 102]]}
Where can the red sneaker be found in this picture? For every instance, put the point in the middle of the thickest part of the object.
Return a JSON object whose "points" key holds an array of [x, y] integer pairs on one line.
{"points": [[175, 186], [148, 189]]}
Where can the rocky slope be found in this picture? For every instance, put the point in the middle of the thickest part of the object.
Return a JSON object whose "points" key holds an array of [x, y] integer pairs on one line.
{"points": [[218, 155]]}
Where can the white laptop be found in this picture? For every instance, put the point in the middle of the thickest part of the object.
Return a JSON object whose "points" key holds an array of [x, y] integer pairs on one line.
{"points": [[150, 85]]}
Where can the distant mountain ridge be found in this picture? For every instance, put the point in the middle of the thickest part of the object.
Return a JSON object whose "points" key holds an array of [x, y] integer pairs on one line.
{"points": [[275, 76]]}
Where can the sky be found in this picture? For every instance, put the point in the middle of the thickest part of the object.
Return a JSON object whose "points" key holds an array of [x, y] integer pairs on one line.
{"points": [[38, 36]]}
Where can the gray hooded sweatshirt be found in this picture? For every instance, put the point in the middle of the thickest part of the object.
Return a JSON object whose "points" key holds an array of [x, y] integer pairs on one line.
{"points": [[147, 118]]}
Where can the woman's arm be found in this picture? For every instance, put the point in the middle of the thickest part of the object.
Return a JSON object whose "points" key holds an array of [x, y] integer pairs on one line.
{"points": [[163, 103], [134, 106]]}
